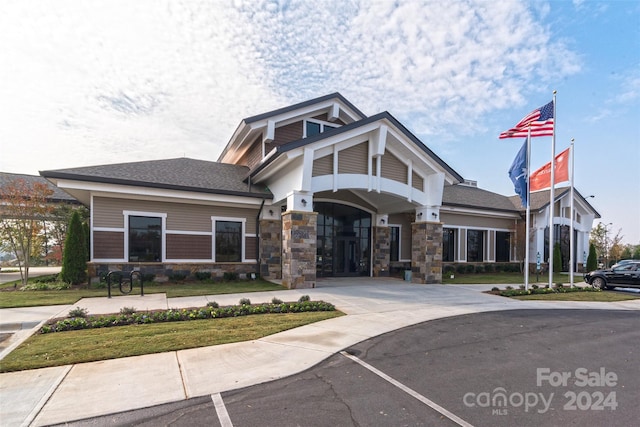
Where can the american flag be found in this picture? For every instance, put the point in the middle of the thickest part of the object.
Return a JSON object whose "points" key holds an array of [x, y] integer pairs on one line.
{"points": [[540, 119]]}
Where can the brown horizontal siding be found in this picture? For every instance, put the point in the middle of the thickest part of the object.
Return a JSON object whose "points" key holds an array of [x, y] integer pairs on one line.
{"points": [[108, 245], [470, 221], [417, 182], [287, 133], [183, 246], [253, 155], [323, 166], [251, 246], [107, 212], [353, 159], [393, 168]]}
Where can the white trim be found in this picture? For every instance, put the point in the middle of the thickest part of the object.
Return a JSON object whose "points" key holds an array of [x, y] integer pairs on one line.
{"points": [[207, 260], [110, 260], [190, 233], [243, 244], [322, 124], [163, 236], [110, 229]]}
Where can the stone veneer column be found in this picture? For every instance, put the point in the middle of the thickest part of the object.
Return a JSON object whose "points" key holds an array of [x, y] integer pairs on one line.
{"points": [[299, 234], [381, 251], [426, 252], [270, 249]]}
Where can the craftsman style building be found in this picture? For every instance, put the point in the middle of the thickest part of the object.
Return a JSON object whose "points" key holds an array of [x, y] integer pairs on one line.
{"points": [[311, 190]]}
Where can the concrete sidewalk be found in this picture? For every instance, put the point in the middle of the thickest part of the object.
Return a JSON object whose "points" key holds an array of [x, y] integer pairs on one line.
{"points": [[67, 393]]}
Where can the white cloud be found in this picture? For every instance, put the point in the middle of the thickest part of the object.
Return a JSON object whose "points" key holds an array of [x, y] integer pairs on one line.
{"points": [[107, 81]]}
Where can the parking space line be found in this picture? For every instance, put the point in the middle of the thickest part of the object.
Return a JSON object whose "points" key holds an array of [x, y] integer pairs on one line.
{"points": [[409, 391], [221, 410]]}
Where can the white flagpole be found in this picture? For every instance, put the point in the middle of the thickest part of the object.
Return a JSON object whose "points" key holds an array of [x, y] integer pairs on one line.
{"points": [[571, 241], [526, 245], [552, 192]]}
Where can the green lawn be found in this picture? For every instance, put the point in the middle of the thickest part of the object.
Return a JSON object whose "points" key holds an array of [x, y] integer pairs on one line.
{"points": [[604, 296], [505, 278], [16, 298], [63, 348]]}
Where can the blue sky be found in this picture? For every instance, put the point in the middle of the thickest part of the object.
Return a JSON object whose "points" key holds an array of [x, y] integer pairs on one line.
{"points": [[96, 82]]}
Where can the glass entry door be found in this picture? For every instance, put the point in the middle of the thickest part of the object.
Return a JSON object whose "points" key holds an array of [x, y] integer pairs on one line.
{"points": [[347, 257]]}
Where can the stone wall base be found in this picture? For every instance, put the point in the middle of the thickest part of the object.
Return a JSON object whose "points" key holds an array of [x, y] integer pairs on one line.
{"points": [[163, 271]]}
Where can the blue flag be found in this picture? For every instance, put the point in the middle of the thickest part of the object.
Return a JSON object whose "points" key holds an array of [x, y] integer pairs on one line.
{"points": [[518, 173]]}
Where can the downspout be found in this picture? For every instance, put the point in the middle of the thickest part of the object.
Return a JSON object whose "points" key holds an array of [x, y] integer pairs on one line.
{"points": [[258, 265]]}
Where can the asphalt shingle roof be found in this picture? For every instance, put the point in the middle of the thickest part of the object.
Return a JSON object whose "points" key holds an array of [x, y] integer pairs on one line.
{"points": [[57, 196], [175, 174], [474, 197]]}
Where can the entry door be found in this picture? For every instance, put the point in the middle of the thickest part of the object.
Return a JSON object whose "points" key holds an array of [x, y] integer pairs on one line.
{"points": [[346, 259]]}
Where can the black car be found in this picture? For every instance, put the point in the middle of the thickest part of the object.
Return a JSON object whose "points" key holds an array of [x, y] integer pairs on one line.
{"points": [[624, 276]]}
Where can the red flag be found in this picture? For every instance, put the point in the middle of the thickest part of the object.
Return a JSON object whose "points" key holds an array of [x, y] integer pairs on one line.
{"points": [[541, 179]]}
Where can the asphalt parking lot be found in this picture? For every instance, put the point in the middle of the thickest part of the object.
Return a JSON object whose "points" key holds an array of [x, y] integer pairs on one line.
{"points": [[525, 367]]}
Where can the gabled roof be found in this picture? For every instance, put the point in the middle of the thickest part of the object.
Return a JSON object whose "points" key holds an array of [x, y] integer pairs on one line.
{"points": [[302, 105], [264, 124], [346, 128], [57, 196], [173, 174], [473, 197], [540, 199]]}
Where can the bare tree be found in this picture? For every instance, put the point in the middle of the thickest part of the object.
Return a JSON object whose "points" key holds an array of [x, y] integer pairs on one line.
{"points": [[23, 209]]}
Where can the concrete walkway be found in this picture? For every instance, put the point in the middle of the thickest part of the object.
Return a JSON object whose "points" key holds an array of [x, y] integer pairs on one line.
{"points": [[56, 395]]}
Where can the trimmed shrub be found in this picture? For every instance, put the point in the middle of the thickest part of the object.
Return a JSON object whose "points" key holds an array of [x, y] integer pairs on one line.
{"points": [[213, 304], [203, 275], [480, 268], [557, 258], [78, 312], [74, 260], [127, 310], [592, 259], [304, 298], [448, 269], [230, 276], [469, 268], [460, 268], [489, 268], [275, 300], [177, 276], [244, 301]]}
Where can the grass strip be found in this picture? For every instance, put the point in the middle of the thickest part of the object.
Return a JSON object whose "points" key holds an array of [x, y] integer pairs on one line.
{"points": [[10, 298], [604, 296], [64, 348], [504, 278]]}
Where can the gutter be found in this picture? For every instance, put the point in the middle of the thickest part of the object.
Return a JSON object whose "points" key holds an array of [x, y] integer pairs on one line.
{"points": [[258, 265]]}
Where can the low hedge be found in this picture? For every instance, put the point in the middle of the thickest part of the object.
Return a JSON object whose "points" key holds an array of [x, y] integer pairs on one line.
{"points": [[177, 315], [536, 290]]}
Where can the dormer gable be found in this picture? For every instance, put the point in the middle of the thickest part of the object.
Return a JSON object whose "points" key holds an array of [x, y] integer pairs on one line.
{"points": [[257, 136]]}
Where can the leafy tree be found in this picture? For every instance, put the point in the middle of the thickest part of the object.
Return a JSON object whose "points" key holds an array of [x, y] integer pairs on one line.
{"points": [[24, 208], [557, 258], [592, 259], [74, 260], [636, 252]]}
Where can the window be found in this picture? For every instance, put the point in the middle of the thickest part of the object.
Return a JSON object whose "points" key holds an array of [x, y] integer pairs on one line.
{"points": [[312, 128], [448, 245], [394, 243], [145, 239], [228, 241], [475, 244], [503, 243]]}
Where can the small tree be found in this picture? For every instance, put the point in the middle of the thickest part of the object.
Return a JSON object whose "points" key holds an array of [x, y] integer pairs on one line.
{"points": [[23, 209], [74, 260], [557, 258], [592, 259]]}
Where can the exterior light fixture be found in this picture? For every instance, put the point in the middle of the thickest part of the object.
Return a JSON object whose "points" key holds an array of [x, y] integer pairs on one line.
{"points": [[304, 202], [419, 215]]}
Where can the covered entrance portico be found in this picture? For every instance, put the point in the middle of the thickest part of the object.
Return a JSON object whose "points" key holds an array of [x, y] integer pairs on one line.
{"points": [[343, 240], [353, 203]]}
